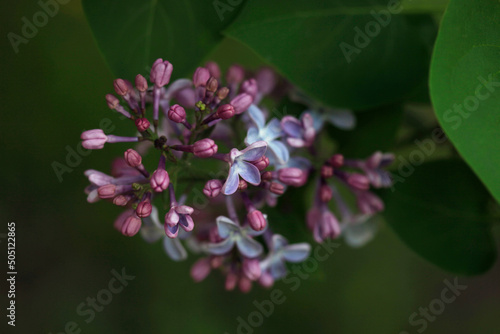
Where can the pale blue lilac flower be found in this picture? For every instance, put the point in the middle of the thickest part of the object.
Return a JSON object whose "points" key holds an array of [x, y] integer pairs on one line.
{"points": [[282, 252], [240, 166], [233, 234], [300, 133], [153, 231], [270, 133], [341, 118]]}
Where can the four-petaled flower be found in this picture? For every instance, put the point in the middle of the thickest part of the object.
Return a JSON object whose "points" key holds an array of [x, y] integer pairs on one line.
{"points": [[269, 133], [280, 252], [300, 133], [241, 166], [233, 234], [178, 215]]}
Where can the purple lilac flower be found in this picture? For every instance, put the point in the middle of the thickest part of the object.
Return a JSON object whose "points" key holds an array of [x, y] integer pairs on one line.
{"points": [[282, 252], [269, 133], [300, 133], [240, 165]]}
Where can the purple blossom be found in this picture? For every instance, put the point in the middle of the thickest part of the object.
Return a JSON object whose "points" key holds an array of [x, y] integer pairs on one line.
{"points": [[300, 133], [240, 166]]}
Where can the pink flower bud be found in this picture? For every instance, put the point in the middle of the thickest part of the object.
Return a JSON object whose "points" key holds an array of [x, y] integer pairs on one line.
{"points": [[121, 200], [256, 220], [141, 83], [266, 80], [231, 281], [326, 171], [235, 74], [201, 76], [131, 226], [120, 220], [369, 203], [142, 124], [251, 269], [241, 102], [242, 184], [112, 101], [93, 139], [200, 269], [133, 158], [261, 163], [177, 113], [266, 176], [212, 188], [250, 87], [225, 111], [212, 85], [337, 160], [204, 148], [358, 181], [121, 87], [144, 209], [216, 261], [266, 280], [107, 191], [213, 68], [159, 180], [292, 176], [161, 72], [244, 284], [276, 188], [325, 193]]}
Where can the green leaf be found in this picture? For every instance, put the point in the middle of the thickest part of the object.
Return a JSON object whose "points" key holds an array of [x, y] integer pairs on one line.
{"points": [[310, 43], [439, 211], [465, 84], [132, 34]]}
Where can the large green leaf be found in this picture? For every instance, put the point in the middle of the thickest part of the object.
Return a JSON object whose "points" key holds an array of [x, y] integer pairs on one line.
{"points": [[440, 212], [132, 34], [311, 43], [465, 84]]}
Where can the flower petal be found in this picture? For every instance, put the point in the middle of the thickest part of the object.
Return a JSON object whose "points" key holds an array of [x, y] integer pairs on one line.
{"points": [[174, 249], [184, 209], [220, 248], [296, 252], [249, 247], [341, 118], [272, 130], [226, 226], [257, 116], [171, 231], [291, 126], [278, 242], [249, 172], [358, 235], [278, 270], [254, 151], [151, 230], [232, 181], [252, 135], [280, 151], [186, 222]]}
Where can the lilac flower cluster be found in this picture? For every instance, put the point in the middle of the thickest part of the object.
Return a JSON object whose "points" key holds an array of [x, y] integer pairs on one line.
{"points": [[202, 120]]}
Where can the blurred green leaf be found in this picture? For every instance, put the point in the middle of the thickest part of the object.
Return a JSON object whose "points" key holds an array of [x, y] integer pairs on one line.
{"points": [[465, 84], [132, 34], [439, 212], [323, 47]]}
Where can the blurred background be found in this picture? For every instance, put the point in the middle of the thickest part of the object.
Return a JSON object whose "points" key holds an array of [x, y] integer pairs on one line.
{"points": [[52, 90]]}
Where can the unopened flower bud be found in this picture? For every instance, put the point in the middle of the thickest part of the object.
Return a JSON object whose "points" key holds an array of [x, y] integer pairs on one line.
{"points": [[107, 191], [242, 184], [326, 171], [225, 111], [133, 158], [261, 163], [235, 74], [142, 124], [204, 148], [131, 226], [222, 93], [251, 269], [276, 188], [121, 200], [93, 139], [256, 220], [266, 80], [159, 180], [250, 87], [144, 209], [141, 83], [161, 72], [112, 101], [266, 280], [369, 203], [213, 68], [212, 85], [358, 181], [200, 269], [212, 188], [245, 284], [231, 281], [241, 102], [337, 160], [177, 113], [266, 176], [121, 87], [325, 193], [292, 176], [200, 77]]}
